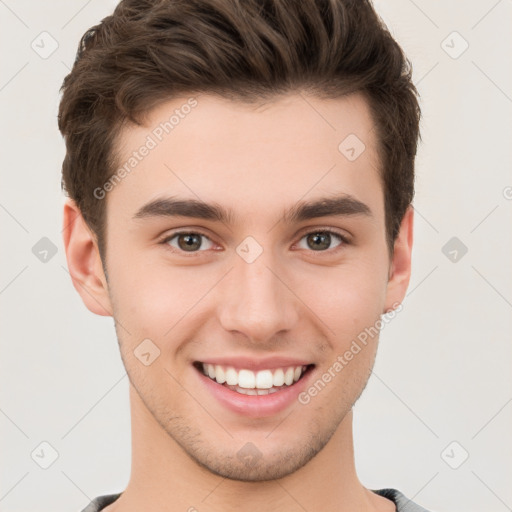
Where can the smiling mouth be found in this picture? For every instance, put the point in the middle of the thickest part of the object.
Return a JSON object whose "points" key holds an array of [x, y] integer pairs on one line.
{"points": [[248, 382]]}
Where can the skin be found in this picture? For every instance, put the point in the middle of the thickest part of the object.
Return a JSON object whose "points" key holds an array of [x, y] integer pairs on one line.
{"points": [[292, 300]]}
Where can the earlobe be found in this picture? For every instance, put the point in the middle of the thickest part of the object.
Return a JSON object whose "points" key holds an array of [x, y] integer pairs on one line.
{"points": [[84, 262], [400, 267]]}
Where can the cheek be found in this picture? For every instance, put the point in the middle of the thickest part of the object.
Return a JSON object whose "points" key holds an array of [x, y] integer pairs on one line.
{"points": [[152, 301], [347, 298], [157, 301]]}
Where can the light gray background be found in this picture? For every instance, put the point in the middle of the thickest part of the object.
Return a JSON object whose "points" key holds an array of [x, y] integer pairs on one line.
{"points": [[443, 368]]}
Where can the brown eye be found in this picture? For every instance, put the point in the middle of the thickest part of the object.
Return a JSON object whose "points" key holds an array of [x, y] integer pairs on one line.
{"points": [[321, 240], [187, 241]]}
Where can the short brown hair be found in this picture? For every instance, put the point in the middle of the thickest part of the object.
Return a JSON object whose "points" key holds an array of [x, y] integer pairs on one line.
{"points": [[149, 51]]}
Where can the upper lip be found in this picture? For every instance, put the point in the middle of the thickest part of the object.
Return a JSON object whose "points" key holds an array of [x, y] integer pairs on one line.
{"points": [[251, 363]]}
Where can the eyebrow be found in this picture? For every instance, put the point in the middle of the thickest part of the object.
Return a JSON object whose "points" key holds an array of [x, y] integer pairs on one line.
{"points": [[344, 205]]}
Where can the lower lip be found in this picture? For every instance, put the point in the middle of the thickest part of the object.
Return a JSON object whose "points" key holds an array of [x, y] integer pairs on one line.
{"points": [[255, 406]]}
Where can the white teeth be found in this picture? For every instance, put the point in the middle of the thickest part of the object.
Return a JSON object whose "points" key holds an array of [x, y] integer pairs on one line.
{"points": [[246, 379], [264, 379], [220, 376], [248, 382], [245, 391], [278, 379], [231, 376]]}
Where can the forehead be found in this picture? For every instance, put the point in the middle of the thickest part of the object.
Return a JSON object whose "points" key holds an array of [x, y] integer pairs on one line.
{"points": [[254, 157]]}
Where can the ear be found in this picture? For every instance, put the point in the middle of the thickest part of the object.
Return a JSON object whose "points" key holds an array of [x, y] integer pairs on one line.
{"points": [[84, 262], [400, 267]]}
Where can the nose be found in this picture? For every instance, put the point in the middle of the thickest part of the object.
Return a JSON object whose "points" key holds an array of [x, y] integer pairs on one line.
{"points": [[257, 299]]}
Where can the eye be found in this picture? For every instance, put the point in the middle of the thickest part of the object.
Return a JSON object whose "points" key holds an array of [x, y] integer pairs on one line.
{"points": [[318, 240], [187, 241], [321, 239]]}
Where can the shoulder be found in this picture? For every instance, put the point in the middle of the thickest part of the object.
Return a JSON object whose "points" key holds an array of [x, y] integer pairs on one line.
{"points": [[402, 503], [101, 502]]}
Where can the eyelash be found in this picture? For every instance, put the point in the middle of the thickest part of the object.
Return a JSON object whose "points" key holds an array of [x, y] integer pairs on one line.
{"points": [[343, 238]]}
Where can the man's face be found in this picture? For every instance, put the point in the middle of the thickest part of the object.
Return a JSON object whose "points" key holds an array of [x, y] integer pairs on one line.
{"points": [[258, 291]]}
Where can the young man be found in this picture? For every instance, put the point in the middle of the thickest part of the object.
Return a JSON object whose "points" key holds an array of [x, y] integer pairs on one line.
{"points": [[240, 178]]}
